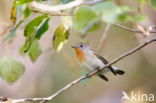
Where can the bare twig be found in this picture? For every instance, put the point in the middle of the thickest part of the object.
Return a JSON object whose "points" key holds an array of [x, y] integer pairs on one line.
{"points": [[92, 2], [43, 100], [4, 99], [152, 27], [129, 29], [103, 37], [6, 29], [132, 30], [52, 14], [143, 30], [48, 8]]}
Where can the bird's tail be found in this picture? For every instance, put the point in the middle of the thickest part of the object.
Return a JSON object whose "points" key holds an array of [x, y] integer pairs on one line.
{"points": [[103, 77], [118, 71]]}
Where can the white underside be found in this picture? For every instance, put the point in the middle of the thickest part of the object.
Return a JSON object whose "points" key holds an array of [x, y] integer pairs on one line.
{"points": [[91, 63]]}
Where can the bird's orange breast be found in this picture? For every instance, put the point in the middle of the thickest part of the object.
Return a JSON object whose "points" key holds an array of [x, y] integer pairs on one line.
{"points": [[80, 54]]}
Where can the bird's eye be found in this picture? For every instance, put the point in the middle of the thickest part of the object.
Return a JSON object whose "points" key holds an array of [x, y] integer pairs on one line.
{"points": [[81, 46]]}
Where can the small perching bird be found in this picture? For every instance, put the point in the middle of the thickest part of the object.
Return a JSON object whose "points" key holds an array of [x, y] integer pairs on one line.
{"points": [[91, 60]]}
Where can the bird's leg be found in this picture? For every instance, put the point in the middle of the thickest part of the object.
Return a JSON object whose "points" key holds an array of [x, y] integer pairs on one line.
{"points": [[97, 68], [87, 75]]}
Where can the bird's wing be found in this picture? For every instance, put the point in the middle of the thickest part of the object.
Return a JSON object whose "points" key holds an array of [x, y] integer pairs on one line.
{"points": [[105, 62]]}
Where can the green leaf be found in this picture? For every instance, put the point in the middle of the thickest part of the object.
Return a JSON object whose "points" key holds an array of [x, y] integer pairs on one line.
{"points": [[32, 25], [60, 36], [66, 1], [108, 11], [19, 10], [29, 40], [19, 2], [126, 8], [42, 28], [13, 31], [67, 20], [38, 0], [10, 69], [34, 30], [27, 12], [34, 51], [139, 18], [143, 2], [24, 49], [85, 19], [153, 3]]}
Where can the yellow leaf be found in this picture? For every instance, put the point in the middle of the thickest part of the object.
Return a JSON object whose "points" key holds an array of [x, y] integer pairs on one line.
{"points": [[13, 14]]}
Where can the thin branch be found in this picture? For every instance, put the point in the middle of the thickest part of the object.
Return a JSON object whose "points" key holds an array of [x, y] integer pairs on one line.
{"points": [[144, 31], [103, 37], [3, 98], [52, 14], [42, 7], [152, 27], [92, 2], [132, 30], [6, 29], [43, 100], [48, 8]]}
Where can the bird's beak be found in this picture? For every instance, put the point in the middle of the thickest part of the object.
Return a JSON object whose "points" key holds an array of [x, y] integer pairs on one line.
{"points": [[74, 47]]}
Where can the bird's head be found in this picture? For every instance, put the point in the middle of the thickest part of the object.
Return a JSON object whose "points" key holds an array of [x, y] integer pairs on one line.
{"points": [[81, 49]]}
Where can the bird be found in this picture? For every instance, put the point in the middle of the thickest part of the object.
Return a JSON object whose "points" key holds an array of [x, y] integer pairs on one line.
{"points": [[91, 60]]}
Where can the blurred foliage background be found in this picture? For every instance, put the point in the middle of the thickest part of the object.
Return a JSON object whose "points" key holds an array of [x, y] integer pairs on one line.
{"points": [[51, 70]]}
